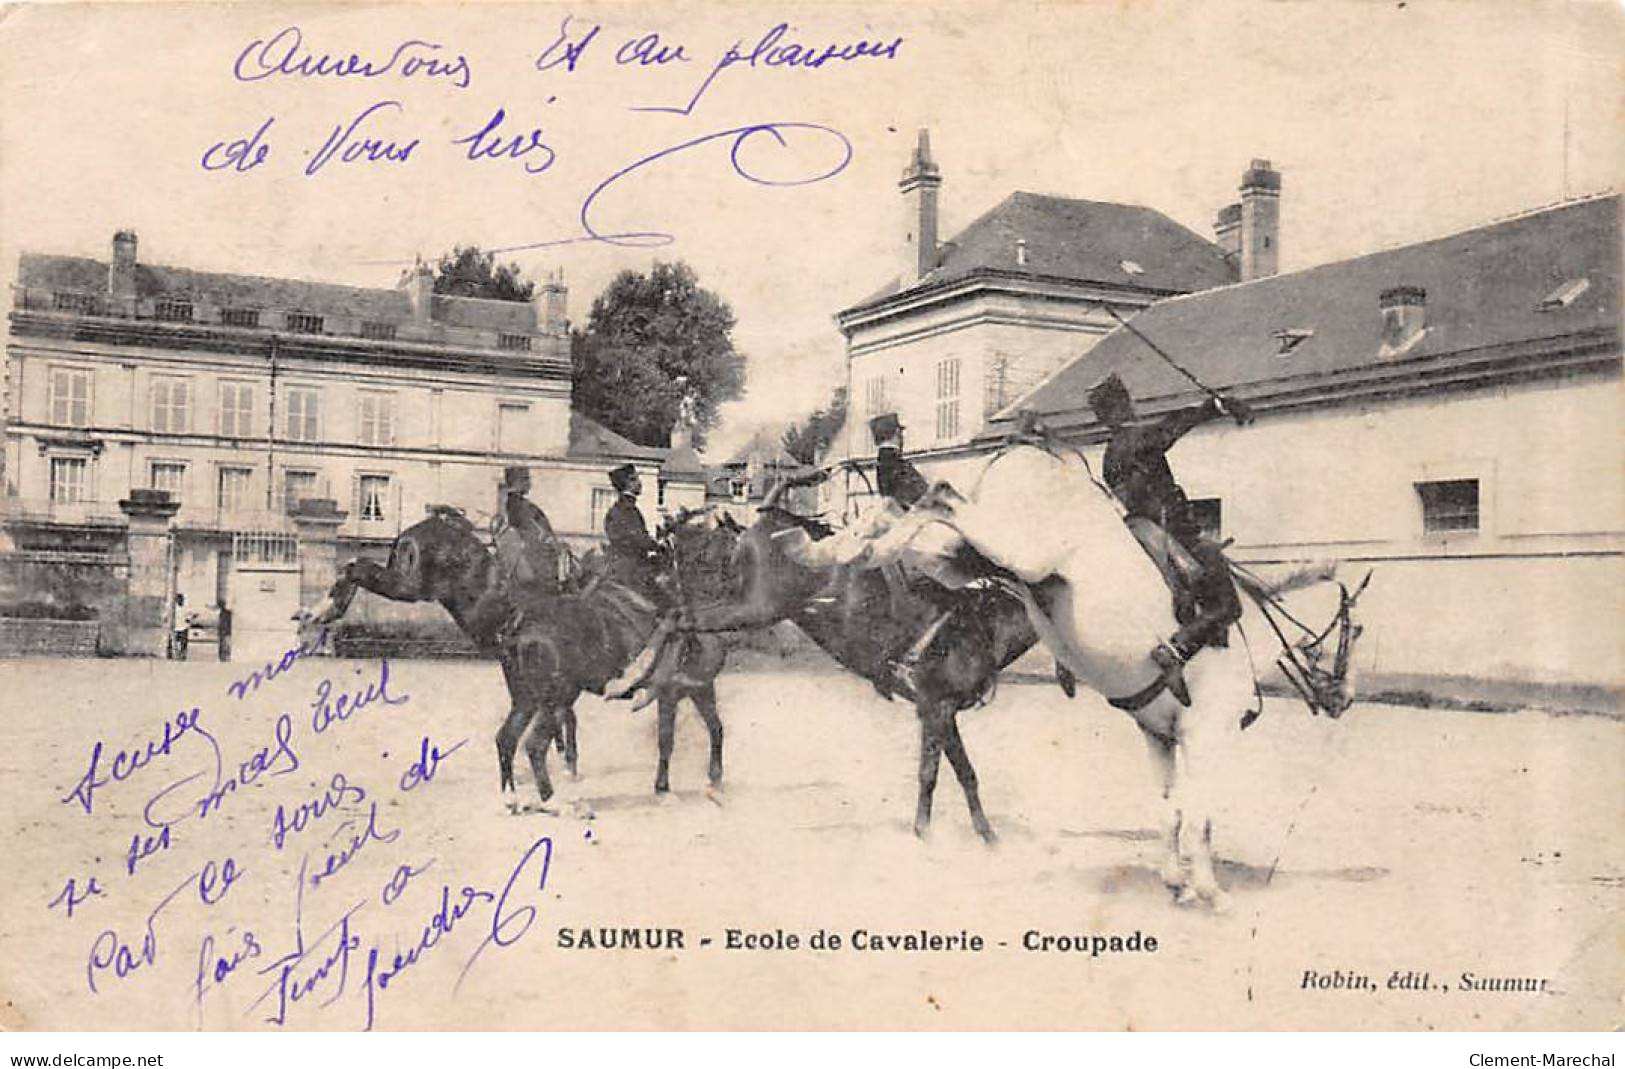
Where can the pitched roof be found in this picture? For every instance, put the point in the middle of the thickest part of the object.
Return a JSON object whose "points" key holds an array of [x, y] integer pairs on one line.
{"points": [[589, 438], [1083, 241], [85, 275], [1484, 288]]}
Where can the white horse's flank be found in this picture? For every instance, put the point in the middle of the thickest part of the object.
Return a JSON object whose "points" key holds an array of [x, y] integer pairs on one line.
{"points": [[1111, 610]]}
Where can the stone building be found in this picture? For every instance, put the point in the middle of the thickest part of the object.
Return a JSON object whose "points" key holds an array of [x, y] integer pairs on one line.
{"points": [[243, 397]]}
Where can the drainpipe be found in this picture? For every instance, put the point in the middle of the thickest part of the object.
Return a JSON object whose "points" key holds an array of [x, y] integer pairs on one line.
{"points": [[270, 437]]}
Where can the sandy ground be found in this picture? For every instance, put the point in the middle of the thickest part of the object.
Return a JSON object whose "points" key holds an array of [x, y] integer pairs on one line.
{"points": [[1393, 841]]}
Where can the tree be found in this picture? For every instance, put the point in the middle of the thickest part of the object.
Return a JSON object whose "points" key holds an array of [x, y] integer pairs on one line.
{"points": [[803, 441], [649, 340], [468, 271]]}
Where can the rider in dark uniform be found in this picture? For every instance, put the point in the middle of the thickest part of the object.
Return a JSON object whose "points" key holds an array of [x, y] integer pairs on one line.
{"points": [[527, 549], [899, 480], [1136, 469], [635, 558]]}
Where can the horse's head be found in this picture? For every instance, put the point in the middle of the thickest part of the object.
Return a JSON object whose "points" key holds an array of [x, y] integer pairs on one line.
{"points": [[427, 560]]}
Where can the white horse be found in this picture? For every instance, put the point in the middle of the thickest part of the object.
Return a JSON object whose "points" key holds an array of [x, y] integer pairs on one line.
{"points": [[1108, 612]]}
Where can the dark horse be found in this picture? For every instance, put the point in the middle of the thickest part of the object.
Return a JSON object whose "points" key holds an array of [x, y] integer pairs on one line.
{"points": [[855, 616], [563, 643]]}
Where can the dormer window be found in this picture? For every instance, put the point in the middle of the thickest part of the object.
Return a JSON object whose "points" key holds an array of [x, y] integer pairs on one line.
{"points": [[240, 317], [83, 303], [1291, 338], [1131, 267], [376, 331], [304, 323], [173, 310], [519, 343], [1564, 295]]}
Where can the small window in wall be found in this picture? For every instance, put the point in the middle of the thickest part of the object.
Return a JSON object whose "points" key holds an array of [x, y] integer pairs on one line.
{"points": [[68, 479], [602, 499], [519, 343], [304, 414], [83, 303], [240, 317], [374, 493], [234, 488], [236, 409], [1449, 505], [70, 396], [511, 423], [169, 476], [171, 405], [739, 489], [947, 399], [304, 323], [378, 331], [1209, 517], [377, 418]]}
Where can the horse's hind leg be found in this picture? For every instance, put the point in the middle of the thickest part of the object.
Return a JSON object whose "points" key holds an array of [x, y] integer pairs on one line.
{"points": [[567, 739], [954, 746], [931, 740], [705, 701], [1194, 760], [541, 738], [1172, 869], [665, 735], [508, 736]]}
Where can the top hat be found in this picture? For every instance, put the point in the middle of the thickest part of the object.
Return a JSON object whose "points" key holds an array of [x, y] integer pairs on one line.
{"points": [[1109, 393], [884, 427], [622, 477]]}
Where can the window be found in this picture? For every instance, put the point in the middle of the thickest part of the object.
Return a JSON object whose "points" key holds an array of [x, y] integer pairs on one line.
{"points": [[516, 342], [1562, 296], [947, 398], [739, 489], [303, 323], [1290, 339], [84, 303], [1209, 517], [876, 397], [297, 486], [378, 418], [602, 498], [511, 421], [174, 310], [236, 409], [377, 331], [169, 476], [240, 317], [171, 400], [235, 487], [304, 414], [374, 498], [68, 476], [996, 387], [1449, 505], [70, 396]]}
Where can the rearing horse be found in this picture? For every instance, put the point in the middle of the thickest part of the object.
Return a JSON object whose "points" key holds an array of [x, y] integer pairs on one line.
{"points": [[562, 645]]}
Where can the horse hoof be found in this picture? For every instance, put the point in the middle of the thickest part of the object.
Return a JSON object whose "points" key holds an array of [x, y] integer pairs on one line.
{"points": [[1173, 877], [713, 793], [1220, 903], [989, 836], [922, 830], [1187, 896]]}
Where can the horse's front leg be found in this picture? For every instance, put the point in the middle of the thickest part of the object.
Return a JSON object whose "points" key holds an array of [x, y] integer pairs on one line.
{"points": [[666, 734], [508, 736], [931, 739], [541, 739], [1194, 763], [705, 700], [954, 746]]}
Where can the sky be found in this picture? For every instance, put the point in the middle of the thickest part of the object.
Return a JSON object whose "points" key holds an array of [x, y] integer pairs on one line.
{"points": [[1390, 123]]}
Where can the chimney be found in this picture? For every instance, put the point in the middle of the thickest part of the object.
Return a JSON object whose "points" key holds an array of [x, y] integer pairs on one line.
{"points": [[1260, 221], [1404, 318], [418, 282], [555, 296], [121, 272], [919, 187], [1227, 233]]}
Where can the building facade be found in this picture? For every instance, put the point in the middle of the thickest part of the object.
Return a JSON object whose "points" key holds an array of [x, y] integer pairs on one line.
{"points": [[974, 322], [242, 397], [1446, 412]]}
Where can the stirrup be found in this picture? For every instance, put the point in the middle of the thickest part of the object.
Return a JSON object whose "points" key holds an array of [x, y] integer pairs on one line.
{"points": [[1172, 663]]}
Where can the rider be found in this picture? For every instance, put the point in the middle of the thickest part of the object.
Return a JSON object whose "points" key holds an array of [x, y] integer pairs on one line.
{"points": [[527, 549], [1136, 470], [899, 480], [635, 558]]}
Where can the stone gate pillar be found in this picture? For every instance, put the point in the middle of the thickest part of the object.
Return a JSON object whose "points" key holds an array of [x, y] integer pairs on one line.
{"points": [[146, 606], [317, 520]]}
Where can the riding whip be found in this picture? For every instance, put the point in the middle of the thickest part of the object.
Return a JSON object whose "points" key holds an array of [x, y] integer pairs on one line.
{"points": [[1154, 347]]}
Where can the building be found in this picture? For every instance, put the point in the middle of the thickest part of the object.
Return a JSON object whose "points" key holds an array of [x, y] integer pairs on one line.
{"points": [[1448, 412], [243, 397], [971, 323], [739, 484]]}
